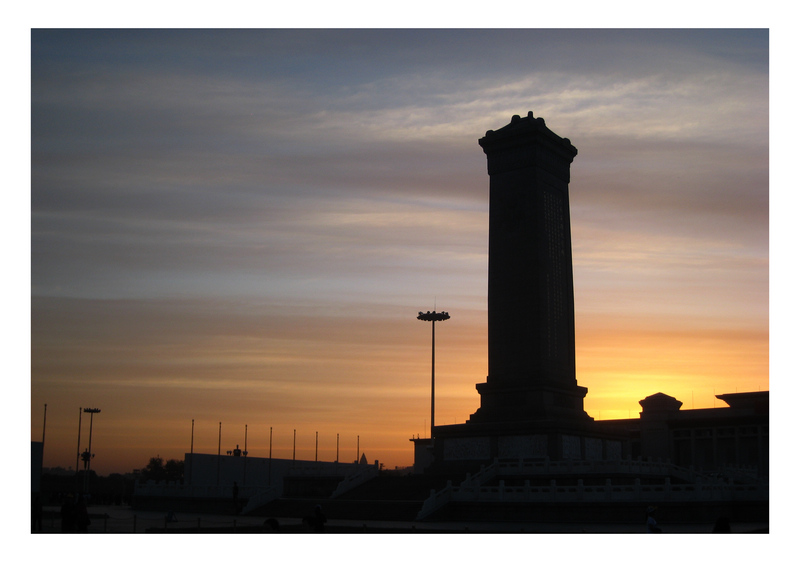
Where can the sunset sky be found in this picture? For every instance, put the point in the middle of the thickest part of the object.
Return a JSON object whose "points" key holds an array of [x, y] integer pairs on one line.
{"points": [[241, 226]]}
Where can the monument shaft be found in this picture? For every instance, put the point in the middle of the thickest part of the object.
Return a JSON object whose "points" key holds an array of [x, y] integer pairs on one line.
{"points": [[531, 305]]}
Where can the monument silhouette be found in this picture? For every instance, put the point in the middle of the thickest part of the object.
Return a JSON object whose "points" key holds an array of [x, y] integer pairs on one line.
{"points": [[531, 304], [531, 404]]}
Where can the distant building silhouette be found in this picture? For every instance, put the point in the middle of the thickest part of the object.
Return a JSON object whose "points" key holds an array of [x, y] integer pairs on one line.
{"points": [[258, 481], [731, 441]]}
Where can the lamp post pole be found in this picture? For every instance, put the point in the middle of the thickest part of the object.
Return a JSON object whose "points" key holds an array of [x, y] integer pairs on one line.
{"points": [[269, 469], [433, 317], [244, 470], [219, 450], [91, 412], [191, 455], [78, 455]]}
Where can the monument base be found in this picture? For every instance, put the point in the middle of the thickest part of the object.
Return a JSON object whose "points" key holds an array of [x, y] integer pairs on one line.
{"points": [[467, 446], [510, 403]]}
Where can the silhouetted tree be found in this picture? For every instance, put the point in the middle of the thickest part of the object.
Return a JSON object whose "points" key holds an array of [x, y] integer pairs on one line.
{"points": [[154, 470], [159, 470], [173, 469]]}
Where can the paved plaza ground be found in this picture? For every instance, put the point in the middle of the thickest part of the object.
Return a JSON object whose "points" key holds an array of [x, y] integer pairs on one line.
{"points": [[122, 519]]}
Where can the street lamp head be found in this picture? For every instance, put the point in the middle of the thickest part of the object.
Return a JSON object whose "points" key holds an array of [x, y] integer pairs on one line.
{"points": [[433, 316], [91, 410]]}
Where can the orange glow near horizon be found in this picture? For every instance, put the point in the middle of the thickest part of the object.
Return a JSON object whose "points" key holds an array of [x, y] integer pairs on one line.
{"points": [[621, 368], [378, 393]]}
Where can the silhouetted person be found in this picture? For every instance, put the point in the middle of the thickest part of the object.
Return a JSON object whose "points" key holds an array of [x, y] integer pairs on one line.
{"points": [[317, 521], [36, 514], [652, 526], [81, 515], [271, 525], [723, 525], [68, 515]]}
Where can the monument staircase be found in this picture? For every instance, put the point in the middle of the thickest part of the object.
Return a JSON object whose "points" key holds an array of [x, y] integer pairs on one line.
{"points": [[385, 498]]}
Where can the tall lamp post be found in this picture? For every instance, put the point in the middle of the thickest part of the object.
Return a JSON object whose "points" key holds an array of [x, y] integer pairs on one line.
{"points": [[91, 412], [78, 454], [433, 317]]}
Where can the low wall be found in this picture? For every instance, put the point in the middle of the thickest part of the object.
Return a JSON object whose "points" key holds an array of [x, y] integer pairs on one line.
{"points": [[609, 493], [474, 490], [627, 513]]}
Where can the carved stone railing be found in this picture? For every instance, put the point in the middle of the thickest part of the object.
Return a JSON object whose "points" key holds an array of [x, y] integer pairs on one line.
{"points": [[436, 501], [608, 492], [628, 466], [698, 488]]}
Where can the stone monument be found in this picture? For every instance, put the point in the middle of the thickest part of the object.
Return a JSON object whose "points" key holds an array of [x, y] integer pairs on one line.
{"points": [[531, 305], [531, 405]]}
